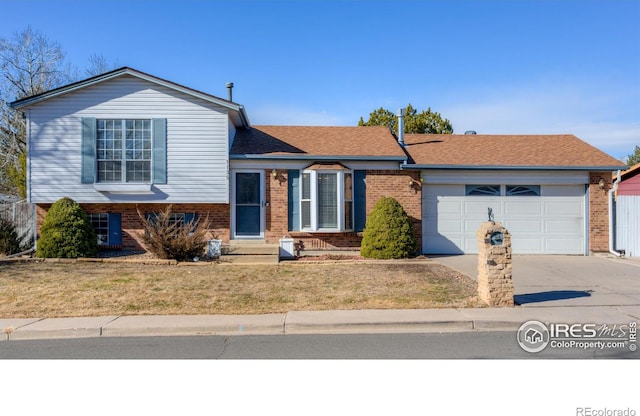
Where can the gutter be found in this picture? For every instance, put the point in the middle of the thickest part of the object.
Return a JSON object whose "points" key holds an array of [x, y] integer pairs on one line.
{"points": [[611, 220], [506, 167], [317, 157]]}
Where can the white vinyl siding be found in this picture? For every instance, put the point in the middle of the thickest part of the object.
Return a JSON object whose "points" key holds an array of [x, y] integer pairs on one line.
{"points": [[197, 142]]}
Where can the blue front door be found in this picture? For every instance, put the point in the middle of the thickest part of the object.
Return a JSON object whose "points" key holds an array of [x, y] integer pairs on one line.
{"points": [[248, 204]]}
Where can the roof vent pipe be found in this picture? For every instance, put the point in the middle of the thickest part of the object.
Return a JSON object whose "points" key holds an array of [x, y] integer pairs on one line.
{"points": [[230, 88], [401, 127]]}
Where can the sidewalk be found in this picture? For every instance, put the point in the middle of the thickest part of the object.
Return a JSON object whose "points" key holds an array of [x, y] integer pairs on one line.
{"points": [[314, 322]]}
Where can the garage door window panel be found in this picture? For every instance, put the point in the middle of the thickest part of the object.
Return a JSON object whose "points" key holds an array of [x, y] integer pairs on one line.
{"points": [[482, 190], [523, 190]]}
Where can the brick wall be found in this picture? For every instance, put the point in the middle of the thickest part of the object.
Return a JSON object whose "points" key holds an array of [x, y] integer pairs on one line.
{"points": [[219, 217], [277, 213], [599, 211], [379, 183], [393, 183]]}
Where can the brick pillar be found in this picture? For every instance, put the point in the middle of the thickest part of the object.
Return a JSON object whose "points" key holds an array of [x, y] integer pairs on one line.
{"points": [[599, 211], [495, 285]]}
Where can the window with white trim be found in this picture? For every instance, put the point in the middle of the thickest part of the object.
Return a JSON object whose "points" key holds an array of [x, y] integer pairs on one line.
{"points": [[326, 200], [123, 151]]}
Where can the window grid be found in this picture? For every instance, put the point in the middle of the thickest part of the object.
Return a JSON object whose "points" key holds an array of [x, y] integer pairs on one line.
{"points": [[100, 223], [486, 190], [523, 190], [326, 201], [127, 159]]}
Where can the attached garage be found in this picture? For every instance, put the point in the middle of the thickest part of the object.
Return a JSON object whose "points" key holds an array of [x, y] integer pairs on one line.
{"points": [[545, 212]]}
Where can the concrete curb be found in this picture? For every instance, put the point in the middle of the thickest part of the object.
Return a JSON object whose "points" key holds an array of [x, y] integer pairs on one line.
{"points": [[313, 322]]}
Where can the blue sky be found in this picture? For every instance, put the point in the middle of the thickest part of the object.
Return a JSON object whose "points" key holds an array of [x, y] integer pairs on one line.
{"points": [[497, 67]]}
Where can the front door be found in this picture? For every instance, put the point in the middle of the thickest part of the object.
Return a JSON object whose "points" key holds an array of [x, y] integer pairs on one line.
{"points": [[249, 205]]}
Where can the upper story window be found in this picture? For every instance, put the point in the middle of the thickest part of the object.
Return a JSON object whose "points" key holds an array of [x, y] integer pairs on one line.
{"points": [[123, 150], [326, 200]]}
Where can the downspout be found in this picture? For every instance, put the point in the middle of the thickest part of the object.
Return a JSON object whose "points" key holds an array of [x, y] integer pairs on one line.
{"points": [[611, 221]]}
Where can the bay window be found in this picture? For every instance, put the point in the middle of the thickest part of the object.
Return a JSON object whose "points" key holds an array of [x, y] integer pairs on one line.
{"points": [[326, 200]]}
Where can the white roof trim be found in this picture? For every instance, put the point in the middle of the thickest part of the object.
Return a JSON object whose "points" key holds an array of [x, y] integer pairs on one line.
{"points": [[25, 102]]}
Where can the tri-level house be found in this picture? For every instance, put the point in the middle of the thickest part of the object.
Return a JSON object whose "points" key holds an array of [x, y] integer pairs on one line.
{"points": [[127, 141]]}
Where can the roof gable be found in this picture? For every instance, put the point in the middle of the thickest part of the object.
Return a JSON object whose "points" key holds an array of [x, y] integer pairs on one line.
{"points": [[506, 151], [237, 111]]}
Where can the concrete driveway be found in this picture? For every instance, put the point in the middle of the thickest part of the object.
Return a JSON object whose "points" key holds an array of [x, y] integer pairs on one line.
{"points": [[541, 281]]}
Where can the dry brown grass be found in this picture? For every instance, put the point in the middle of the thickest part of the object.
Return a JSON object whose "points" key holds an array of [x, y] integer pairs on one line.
{"points": [[46, 290]]}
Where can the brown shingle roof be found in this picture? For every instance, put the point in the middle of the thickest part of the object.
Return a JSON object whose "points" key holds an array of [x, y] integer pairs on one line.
{"points": [[317, 141], [472, 150]]}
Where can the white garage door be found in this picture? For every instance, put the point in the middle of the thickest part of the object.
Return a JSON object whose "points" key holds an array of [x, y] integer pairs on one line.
{"points": [[550, 220]]}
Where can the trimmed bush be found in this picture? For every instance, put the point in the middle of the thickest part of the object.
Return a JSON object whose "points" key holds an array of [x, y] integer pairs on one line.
{"points": [[10, 241], [66, 232], [169, 239], [389, 232]]}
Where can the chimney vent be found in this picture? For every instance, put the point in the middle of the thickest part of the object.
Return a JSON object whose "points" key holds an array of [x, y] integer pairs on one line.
{"points": [[401, 127], [230, 88]]}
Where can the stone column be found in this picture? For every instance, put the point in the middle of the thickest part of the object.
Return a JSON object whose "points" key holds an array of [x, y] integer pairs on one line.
{"points": [[495, 285]]}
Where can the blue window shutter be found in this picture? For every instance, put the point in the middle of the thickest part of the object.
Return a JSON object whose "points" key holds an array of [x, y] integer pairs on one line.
{"points": [[115, 230], [294, 199], [88, 167], [159, 150], [359, 199]]}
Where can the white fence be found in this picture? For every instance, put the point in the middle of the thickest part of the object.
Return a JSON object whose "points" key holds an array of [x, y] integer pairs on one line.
{"points": [[628, 224], [22, 216]]}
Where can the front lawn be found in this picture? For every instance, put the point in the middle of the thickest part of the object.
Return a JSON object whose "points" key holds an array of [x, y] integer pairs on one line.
{"points": [[47, 289]]}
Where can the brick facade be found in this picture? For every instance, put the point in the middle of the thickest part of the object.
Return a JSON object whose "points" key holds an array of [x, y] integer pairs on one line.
{"points": [[599, 211], [219, 217], [404, 186]]}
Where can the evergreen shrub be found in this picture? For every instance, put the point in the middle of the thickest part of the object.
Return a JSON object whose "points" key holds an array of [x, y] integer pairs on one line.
{"points": [[66, 232], [389, 232], [10, 241]]}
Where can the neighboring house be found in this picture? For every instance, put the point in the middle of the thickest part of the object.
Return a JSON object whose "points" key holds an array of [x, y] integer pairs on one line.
{"points": [[127, 141], [627, 211]]}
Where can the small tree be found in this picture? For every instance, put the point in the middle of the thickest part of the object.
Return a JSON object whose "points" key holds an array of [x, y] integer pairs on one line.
{"points": [[66, 232], [389, 232], [10, 241], [169, 238]]}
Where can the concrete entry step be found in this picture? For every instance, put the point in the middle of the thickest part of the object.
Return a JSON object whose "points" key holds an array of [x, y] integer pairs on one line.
{"points": [[239, 249], [250, 252]]}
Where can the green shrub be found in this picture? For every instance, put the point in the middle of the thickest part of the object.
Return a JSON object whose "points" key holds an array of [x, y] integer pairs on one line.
{"points": [[389, 232], [10, 241], [66, 232], [169, 239]]}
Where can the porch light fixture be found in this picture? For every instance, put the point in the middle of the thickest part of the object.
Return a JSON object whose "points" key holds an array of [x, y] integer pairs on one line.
{"points": [[601, 183], [274, 173]]}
